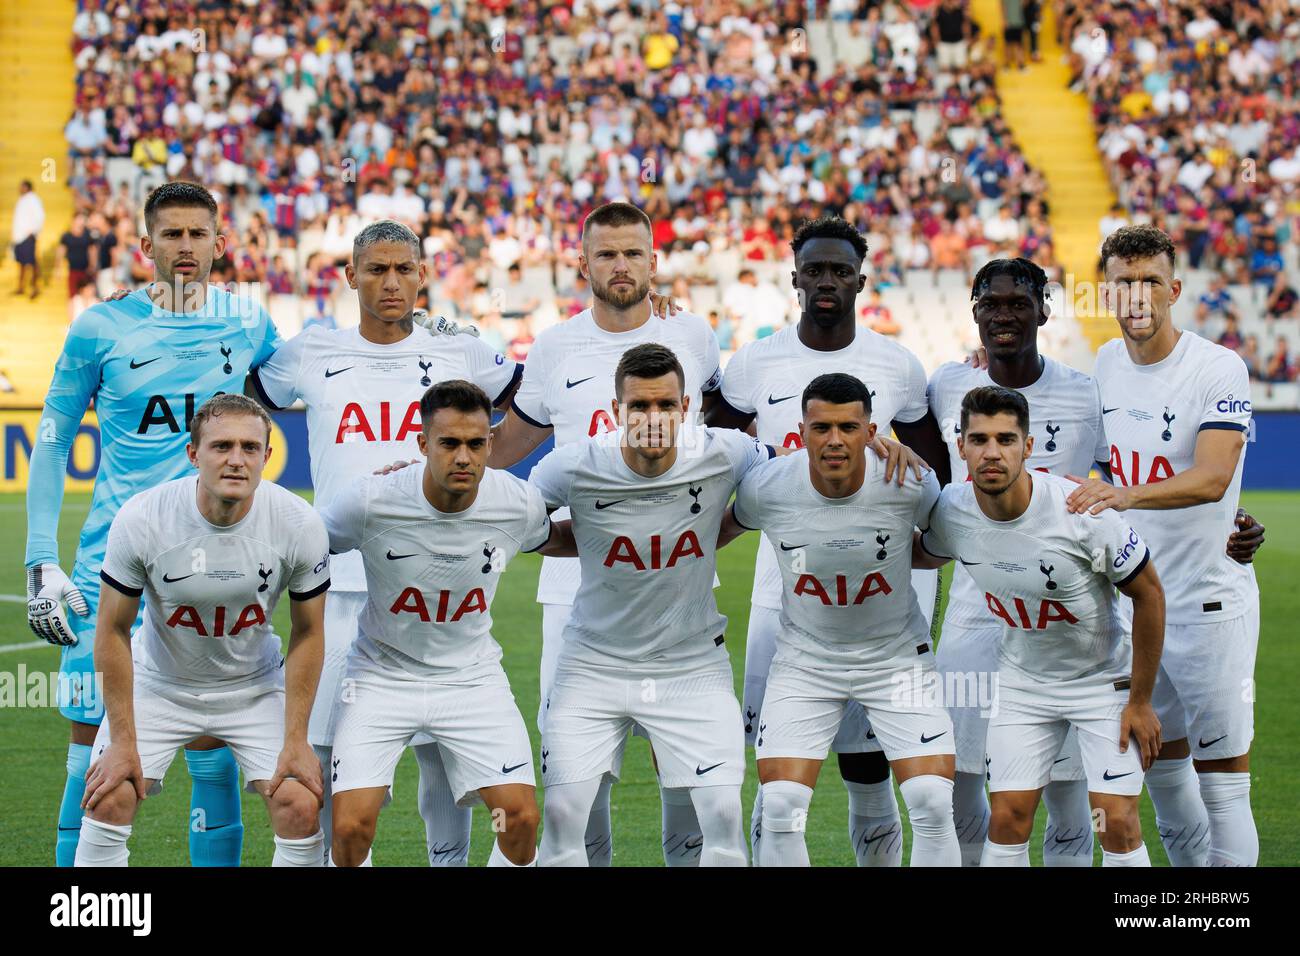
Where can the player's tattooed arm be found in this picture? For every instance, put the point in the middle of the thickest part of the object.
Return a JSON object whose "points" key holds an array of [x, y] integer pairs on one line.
{"points": [[120, 763], [1246, 540], [561, 543], [731, 529], [925, 438], [514, 440], [1139, 720], [1214, 464], [302, 667]]}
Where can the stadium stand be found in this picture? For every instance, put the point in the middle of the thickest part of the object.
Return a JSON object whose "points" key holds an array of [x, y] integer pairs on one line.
{"points": [[492, 128]]}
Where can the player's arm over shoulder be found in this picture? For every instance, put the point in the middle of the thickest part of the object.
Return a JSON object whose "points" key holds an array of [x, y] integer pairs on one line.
{"points": [[276, 380]]}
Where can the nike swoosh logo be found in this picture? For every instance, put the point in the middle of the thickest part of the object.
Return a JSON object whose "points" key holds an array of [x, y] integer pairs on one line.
{"points": [[568, 384], [1066, 839], [971, 564], [792, 547], [1115, 776], [1107, 411], [181, 578], [1059, 759], [878, 836], [505, 769], [339, 371], [688, 845], [1201, 742], [926, 740], [773, 400], [134, 364], [398, 557], [602, 505], [699, 772]]}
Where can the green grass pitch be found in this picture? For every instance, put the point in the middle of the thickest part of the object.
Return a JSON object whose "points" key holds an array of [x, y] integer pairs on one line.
{"points": [[33, 740]]}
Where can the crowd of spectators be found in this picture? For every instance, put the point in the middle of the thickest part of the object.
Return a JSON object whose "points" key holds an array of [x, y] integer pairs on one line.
{"points": [[491, 128], [1199, 127]]}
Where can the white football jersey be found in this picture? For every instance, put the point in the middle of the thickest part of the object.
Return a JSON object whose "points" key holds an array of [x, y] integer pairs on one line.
{"points": [[766, 378], [431, 575], [846, 563], [647, 546], [210, 591], [363, 402], [1065, 422], [568, 385], [1153, 415], [1047, 578]]}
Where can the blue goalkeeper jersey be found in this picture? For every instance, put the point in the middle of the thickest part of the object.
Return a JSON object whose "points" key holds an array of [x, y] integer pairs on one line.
{"points": [[147, 372]]}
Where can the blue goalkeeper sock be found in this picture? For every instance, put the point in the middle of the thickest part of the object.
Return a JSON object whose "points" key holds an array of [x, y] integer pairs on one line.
{"points": [[65, 845], [216, 827]]}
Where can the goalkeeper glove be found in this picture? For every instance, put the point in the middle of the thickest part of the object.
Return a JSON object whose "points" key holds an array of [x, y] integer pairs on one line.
{"points": [[440, 325], [47, 589]]}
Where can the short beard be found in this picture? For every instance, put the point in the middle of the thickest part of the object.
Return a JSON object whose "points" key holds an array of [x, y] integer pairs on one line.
{"points": [[621, 300]]}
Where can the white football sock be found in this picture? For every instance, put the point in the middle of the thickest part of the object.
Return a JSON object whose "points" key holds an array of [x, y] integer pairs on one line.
{"points": [[785, 819], [1136, 857], [929, 810], [970, 811], [301, 852], [718, 810], [498, 858], [446, 826], [682, 839], [1005, 854], [756, 828], [325, 755], [1233, 838], [1181, 818], [1067, 841], [875, 829], [564, 820], [102, 844], [599, 835], [368, 861]]}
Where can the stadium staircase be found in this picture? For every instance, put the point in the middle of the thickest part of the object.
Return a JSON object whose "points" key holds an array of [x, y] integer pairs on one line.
{"points": [[37, 85], [1055, 130]]}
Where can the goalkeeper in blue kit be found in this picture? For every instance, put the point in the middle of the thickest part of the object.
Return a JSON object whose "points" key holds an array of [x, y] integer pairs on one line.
{"points": [[147, 361]]}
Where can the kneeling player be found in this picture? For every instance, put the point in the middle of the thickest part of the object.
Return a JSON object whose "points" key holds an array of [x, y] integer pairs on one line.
{"points": [[1049, 578], [211, 555], [851, 627], [435, 541]]}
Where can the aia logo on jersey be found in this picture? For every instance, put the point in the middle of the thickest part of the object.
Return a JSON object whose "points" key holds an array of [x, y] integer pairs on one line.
{"points": [[600, 422], [355, 425], [1048, 611], [873, 584], [624, 551], [792, 440], [411, 601], [1158, 468], [158, 411], [187, 616]]}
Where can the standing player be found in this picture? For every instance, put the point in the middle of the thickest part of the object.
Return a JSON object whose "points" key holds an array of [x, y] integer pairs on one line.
{"points": [[1048, 577], [644, 643], [851, 628], [362, 388], [147, 361], [212, 554], [566, 390], [762, 386], [1177, 411], [435, 541], [1065, 420]]}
